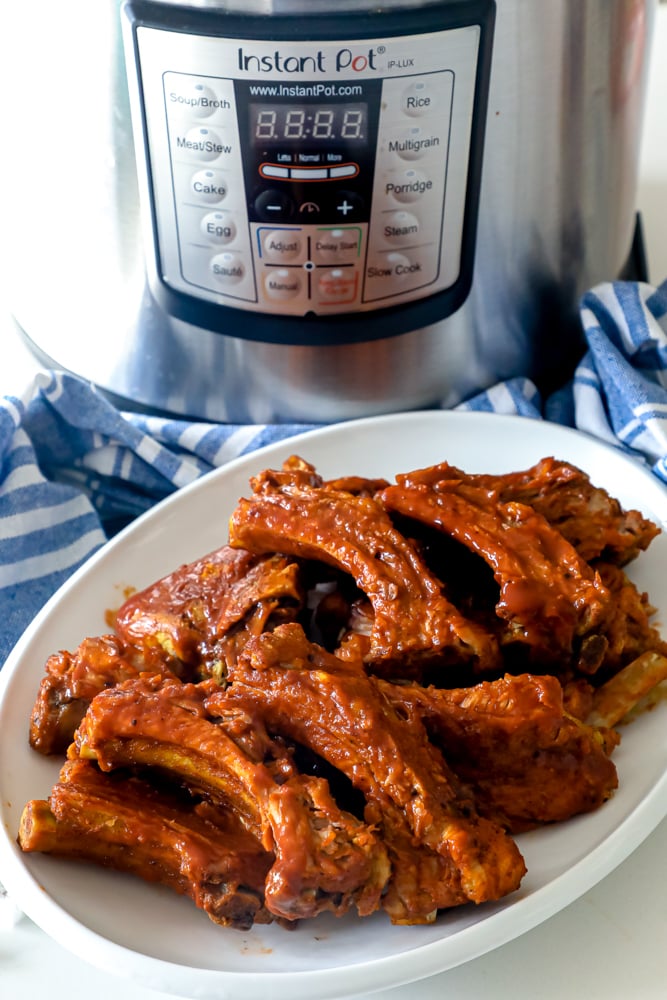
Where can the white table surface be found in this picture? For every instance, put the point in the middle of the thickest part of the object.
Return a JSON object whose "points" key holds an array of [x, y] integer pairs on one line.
{"points": [[609, 945]]}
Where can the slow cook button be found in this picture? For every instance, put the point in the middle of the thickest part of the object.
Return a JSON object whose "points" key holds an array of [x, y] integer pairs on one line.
{"points": [[397, 269], [227, 268], [209, 186], [218, 227], [282, 283]]}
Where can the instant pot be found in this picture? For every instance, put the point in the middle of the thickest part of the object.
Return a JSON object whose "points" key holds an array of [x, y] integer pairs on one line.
{"points": [[259, 210]]}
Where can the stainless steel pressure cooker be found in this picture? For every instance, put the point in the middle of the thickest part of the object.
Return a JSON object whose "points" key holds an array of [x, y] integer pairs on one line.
{"points": [[258, 210]]}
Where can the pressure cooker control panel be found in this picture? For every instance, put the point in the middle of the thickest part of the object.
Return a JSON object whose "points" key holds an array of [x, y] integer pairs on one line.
{"points": [[306, 178]]}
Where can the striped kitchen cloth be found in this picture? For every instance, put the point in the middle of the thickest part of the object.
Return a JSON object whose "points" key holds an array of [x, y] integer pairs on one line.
{"points": [[74, 468]]}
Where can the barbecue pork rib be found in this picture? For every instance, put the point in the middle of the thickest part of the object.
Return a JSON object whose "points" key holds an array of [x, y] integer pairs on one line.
{"points": [[413, 621], [307, 695], [526, 760], [550, 599], [125, 823], [70, 682], [325, 859], [200, 614], [586, 515]]}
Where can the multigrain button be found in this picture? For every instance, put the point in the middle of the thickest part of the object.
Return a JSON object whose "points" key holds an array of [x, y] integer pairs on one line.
{"points": [[413, 143], [282, 283], [209, 186], [227, 268]]}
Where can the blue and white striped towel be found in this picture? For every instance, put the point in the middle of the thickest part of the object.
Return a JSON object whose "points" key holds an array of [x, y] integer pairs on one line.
{"points": [[73, 468]]}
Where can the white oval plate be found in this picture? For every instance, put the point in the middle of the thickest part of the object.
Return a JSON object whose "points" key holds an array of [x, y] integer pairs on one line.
{"points": [[162, 941]]}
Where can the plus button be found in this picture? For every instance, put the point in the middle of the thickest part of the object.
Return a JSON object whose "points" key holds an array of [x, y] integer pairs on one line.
{"points": [[349, 205]]}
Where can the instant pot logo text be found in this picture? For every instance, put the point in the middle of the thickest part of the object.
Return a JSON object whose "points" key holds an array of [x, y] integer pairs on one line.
{"points": [[344, 60]]}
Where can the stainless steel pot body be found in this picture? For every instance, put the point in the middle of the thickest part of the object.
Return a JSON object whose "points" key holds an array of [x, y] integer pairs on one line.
{"points": [[556, 214]]}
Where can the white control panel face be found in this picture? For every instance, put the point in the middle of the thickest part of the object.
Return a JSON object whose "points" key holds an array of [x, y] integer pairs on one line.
{"points": [[308, 177]]}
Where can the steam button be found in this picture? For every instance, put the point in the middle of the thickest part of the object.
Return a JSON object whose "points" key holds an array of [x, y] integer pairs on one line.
{"points": [[400, 228]]}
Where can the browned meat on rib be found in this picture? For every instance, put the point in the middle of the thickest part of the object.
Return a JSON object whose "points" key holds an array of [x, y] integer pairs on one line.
{"points": [[201, 612], [527, 761], [70, 682], [337, 711], [412, 619], [629, 631], [592, 521], [325, 859], [127, 825], [549, 595]]}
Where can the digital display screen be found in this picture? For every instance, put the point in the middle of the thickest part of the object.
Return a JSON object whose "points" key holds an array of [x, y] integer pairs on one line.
{"points": [[321, 123]]}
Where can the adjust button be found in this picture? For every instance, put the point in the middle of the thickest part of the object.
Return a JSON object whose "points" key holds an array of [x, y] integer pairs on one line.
{"points": [[282, 244]]}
